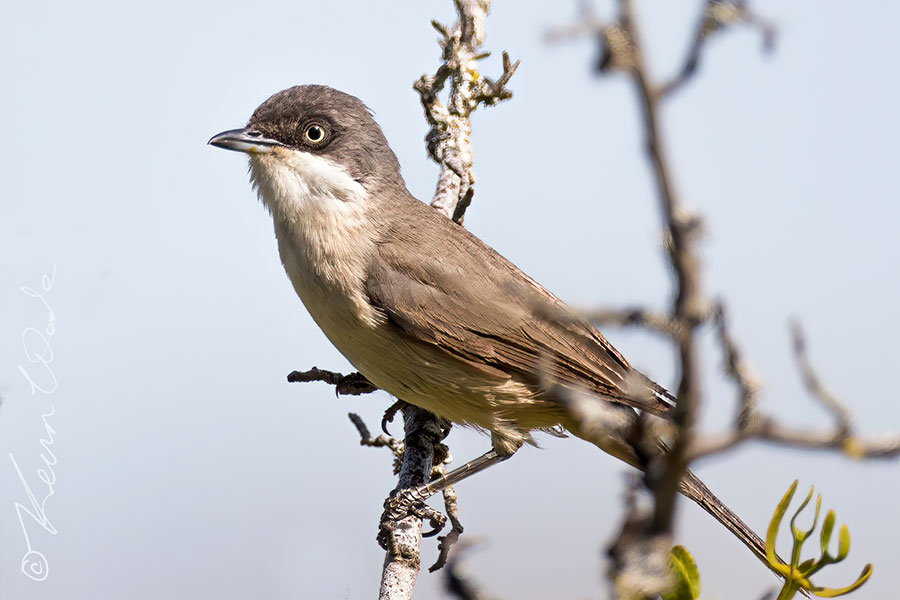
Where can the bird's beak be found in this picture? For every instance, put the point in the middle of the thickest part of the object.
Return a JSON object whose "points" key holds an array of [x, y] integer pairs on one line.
{"points": [[244, 140]]}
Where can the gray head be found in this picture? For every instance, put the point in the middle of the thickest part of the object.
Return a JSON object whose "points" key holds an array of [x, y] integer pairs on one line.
{"points": [[318, 121]]}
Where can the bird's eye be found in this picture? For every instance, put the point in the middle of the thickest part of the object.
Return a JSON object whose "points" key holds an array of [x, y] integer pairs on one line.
{"points": [[315, 134]]}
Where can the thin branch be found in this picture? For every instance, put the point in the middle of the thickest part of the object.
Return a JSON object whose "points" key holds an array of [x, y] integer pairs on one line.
{"points": [[717, 16], [736, 368], [379, 441], [761, 427], [687, 313], [631, 317], [354, 384], [400, 537], [814, 385], [457, 582], [448, 137], [451, 508], [752, 424]]}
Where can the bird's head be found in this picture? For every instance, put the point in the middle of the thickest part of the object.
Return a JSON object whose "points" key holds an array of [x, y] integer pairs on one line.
{"points": [[313, 144]]}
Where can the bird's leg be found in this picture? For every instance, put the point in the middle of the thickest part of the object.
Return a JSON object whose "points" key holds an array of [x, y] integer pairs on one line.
{"points": [[476, 465], [412, 500]]}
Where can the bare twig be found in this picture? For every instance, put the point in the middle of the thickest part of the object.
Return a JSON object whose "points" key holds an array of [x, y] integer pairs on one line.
{"points": [[841, 415], [354, 384], [620, 50], [457, 582], [631, 317], [639, 565], [448, 138], [761, 427], [751, 424], [736, 368], [379, 441], [718, 15], [687, 308], [446, 542]]}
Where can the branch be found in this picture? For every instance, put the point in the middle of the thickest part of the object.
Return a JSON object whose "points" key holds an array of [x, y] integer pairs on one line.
{"points": [[380, 441], [458, 583], [401, 537], [813, 384], [631, 317], [354, 384], [752, 424], [717, 16], [682, 227], [446, 542], [448, 144], [638, 551], [448, 137]]}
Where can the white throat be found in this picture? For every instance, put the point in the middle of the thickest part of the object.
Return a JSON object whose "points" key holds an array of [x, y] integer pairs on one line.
{"points": [[325, 238], [292, 183]]}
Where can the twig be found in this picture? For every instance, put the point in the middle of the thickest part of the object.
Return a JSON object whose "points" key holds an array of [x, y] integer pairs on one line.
{"points": [[639, 561], [687, 310], [631, 317], [621, 50], [718, 15], [448, 144], [451, 508], [751, 424], [354, 384], [401, 537], [458, 583], [814, 385], [737, 370], [448, 138], [379, 441]]}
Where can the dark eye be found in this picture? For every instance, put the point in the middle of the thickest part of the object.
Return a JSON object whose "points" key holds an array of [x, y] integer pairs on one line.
{"points": [[315, 134]]}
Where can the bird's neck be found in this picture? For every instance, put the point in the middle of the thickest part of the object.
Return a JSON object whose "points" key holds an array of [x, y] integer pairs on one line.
{"points": [[325, 238]]}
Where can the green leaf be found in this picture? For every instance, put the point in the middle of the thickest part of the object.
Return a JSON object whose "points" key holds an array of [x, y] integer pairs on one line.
{"points": [[775, 523], [687, 577], [843, 543], [827, 528], [833, 592]]}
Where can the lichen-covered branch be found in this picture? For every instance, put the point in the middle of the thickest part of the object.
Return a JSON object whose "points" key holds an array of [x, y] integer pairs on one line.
{"points": [[400, 537], [354, 384], [448, 144], [448, 137]]}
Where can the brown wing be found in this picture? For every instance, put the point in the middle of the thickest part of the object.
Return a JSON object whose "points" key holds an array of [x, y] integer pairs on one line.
{"points": [[464, 298]]}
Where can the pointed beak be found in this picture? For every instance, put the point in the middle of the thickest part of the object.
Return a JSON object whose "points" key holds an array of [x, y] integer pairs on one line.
{"points": [[244, 140]]}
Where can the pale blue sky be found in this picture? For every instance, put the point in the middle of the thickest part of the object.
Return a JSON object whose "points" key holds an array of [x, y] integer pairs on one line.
{"points": [[188, 468]]}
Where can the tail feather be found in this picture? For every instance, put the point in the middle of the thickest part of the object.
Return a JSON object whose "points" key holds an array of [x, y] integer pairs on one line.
{"points": [[693, 488], [696, 490]]}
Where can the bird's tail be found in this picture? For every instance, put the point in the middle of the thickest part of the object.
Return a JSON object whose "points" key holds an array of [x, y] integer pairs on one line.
{"points": [[693, 488]]}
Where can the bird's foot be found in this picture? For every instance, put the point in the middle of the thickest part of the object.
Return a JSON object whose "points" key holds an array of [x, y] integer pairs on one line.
{"points": [[409, 502]]}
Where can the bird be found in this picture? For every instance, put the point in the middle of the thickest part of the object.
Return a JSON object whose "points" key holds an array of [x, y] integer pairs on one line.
{"points": [[420, 306]]}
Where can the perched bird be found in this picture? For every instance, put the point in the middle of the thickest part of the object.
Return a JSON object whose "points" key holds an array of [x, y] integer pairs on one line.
{"points": [[419, 305]]}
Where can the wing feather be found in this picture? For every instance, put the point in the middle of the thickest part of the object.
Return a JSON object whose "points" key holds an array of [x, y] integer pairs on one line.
{"points": [[468, 301]]}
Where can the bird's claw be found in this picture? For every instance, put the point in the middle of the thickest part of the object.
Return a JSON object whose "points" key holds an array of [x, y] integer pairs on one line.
{"points": [[409, 502]]}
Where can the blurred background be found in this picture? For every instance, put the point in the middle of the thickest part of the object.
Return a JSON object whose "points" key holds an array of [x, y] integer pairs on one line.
{"points": [[186, 465]]}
